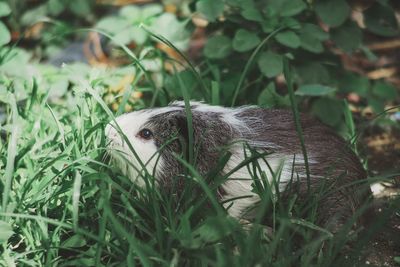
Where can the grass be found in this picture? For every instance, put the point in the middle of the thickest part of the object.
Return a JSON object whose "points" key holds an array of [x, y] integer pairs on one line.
{"points": [[63, 204]]}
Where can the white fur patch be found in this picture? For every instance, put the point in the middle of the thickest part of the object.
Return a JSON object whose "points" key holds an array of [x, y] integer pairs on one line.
{"points": [[239, 183], [130, 125]]}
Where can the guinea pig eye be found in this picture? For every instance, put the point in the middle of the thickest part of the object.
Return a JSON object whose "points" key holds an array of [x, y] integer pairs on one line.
{"points": [[145, 134]]}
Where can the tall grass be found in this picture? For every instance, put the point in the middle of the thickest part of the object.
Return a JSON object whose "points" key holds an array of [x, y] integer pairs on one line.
{"points": [[65, 204]]}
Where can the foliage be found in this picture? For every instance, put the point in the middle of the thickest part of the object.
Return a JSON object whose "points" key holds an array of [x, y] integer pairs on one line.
{"points": [[62, 201], [307, 33], [131, 23]]}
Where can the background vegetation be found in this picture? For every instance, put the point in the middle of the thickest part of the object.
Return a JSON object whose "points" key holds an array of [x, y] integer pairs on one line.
{"points": [[68, 67]]}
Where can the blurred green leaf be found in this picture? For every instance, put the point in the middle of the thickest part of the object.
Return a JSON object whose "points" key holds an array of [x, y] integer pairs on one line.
{"points": [[251, 13], [384, 90], [292, 7], [332, 12], [270, 24], [315, 31], [211, 9], [113, 25], [285, 8], [270, 98], [151, 10], [376, 104], [270, 64], [348, 36], [311, 37], [314, 90], [328, 110], [5, 9], [169, 27], [351, 82], [34, 15], [312, 72], [215, 228], [80, 8], [311, 44], [132, 13], [288, 38], [188, 79], [380, 19], [55, 7], [291, 23], [218, 46], [5, 36], [245, 40]]}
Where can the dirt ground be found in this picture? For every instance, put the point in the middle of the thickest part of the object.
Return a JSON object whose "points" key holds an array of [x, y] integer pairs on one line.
{"points": [[383, 155]]}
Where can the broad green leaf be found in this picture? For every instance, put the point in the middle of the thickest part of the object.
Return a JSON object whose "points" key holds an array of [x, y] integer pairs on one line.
{"points": [[376, 104], [332, 12], [55, 7], [292, 7], [270, 98], [138, 35], [123, 37], [151, 10], [315, 31], [132, 13], [267, 98], [311, 37], [310, 43], [312, 72], [240, 3], [348, 36], [129, 34], [351, 82], [80, 8], [211, 9], [314, 90], [291, 23], [5, 231], [168, 26], [245, 40], [5, 9], [328, 110], [288, 38], [251, 13], [5, 36], [384, 90], [270, 64], [381, 20], [270, 24], [284, 8], [218, 46], [188, 79], [34, 15], [112, 24], [215, 228]]}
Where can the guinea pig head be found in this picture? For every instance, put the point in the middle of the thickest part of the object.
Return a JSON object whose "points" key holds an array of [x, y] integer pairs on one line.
{"points": [[148, 141]]}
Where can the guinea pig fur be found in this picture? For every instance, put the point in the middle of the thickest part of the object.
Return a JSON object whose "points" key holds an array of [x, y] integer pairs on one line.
{"points": [[151, 131]]}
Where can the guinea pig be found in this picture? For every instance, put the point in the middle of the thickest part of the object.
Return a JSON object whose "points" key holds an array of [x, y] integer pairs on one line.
{"points": [[158, 135]]}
